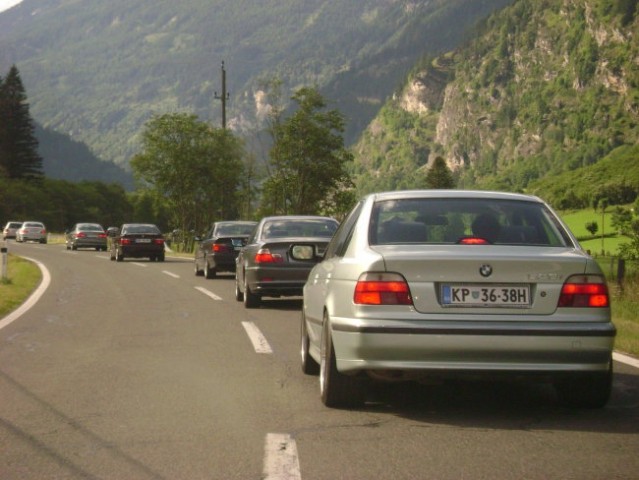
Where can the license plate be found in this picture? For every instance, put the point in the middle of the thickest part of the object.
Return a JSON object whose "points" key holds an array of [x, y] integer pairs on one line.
{"points": [[143, 240], [486, 295]]}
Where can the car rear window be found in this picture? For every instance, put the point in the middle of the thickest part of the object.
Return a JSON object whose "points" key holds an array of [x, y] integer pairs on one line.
{"points": [[229, 230], [463, 220], [148, 229], [300, 228]]}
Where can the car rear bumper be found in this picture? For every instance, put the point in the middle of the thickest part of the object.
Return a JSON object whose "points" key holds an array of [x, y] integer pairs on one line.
{"points": [[142, 251], [466, 347]]}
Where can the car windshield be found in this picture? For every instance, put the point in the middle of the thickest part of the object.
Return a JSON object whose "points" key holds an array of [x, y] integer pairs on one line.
{"points": [[231, 229], [466, 221], [300, 228], [150, 229]]}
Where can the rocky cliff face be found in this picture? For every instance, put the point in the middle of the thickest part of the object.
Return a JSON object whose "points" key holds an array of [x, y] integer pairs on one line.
{"points": [[548, 86]]}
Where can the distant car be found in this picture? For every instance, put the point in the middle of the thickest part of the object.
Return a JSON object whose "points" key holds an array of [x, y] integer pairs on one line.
{"points": [[265, 267], [137, 240], [10, 229], [436, 284], [86, 235], [32, 231], [217, 251]]}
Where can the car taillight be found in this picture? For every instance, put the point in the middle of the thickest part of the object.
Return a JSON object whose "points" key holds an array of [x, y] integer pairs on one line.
{"points": [[220, 247], [125, 241], [584, 291], [474, 241], [80, 235], [264, 255], [158, 241], [102, 235], [382, 289]]}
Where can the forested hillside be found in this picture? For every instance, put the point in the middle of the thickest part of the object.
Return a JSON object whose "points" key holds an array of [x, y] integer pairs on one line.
{"points": [[547, 90], [97, 70]]}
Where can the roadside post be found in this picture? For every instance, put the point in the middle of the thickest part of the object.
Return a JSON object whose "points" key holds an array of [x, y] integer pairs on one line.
{"points": [[3, 251]]}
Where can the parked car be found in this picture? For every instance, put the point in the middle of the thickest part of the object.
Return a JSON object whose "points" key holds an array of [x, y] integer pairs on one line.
{"points": [[32, 231], [86, 235], [435, 284], [217, 251], [265, 267], [10, 229], [137, 240]]}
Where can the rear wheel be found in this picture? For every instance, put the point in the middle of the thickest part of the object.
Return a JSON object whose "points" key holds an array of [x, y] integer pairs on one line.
{"points": [[198, 272], [160, 257], [309, 365], [251, 300], [589, 391], [210, 272], [118, 256], [239, 296], [337, 390]]}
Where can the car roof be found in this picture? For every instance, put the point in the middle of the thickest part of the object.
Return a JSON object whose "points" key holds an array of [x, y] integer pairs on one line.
{"points": [[483, 194]]}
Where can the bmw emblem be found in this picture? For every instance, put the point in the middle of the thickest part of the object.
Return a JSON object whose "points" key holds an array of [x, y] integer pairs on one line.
{"points": [[485, 270]]}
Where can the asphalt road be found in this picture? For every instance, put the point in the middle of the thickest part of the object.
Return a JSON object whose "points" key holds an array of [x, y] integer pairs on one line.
{"points": [[141, 370]]}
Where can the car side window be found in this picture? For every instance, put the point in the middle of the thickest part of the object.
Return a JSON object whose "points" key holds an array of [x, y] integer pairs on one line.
{"points": [[344, 233]]}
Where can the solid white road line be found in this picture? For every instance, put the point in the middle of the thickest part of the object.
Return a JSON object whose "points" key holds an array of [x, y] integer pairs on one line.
{"points": [[280, 458], [33, 299], [260, 344], [139, 264], [210, 294], [170, 274]]}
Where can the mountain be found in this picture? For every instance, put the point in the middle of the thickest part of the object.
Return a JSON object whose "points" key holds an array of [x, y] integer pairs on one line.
{"points": [[97, 71], [546, 90], [66, 159]]}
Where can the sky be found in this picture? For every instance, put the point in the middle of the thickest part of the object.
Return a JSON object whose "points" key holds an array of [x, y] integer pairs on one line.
{"points": [[6, 4]]}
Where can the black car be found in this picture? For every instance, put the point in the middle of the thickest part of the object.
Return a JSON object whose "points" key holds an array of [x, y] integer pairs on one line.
{"points": [[217, 251], [86, 235], [266, 267], [137, 240]]}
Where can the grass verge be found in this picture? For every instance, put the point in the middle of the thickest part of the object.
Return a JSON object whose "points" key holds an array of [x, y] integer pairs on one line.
{"points": [[22, 278]]}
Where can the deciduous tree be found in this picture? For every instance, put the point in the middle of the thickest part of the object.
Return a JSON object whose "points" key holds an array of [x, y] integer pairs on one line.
{"points": [[308, 158], [195, 167]]}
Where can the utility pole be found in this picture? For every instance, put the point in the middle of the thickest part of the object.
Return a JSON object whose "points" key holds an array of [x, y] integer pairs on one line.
{"points": [[224, 97]]}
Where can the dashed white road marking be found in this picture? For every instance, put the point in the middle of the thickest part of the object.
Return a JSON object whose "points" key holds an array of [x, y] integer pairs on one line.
{"points": [[620, 357], [260, 344], [280, 458], [170, 274], [209, 293]]}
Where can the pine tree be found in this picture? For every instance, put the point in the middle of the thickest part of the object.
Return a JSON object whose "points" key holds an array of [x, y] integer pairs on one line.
{"points": [[439, 175], [19, 158]]}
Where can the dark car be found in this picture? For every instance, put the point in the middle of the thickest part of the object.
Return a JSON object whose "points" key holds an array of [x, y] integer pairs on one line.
{"points": [[265, 267], [217, 251], [86, 235], [137, 240]]}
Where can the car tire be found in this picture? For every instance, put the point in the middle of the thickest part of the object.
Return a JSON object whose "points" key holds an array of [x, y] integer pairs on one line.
{"points": [[309, 365], [239, 296], [160, 257], [251, 300], [337, 390], [118, 256], [74, 247], [197, 271], [209, 272], [586, 391]]}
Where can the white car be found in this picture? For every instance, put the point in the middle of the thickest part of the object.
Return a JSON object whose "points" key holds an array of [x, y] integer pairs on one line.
{"points": [[436, 284], [32, 231]]}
